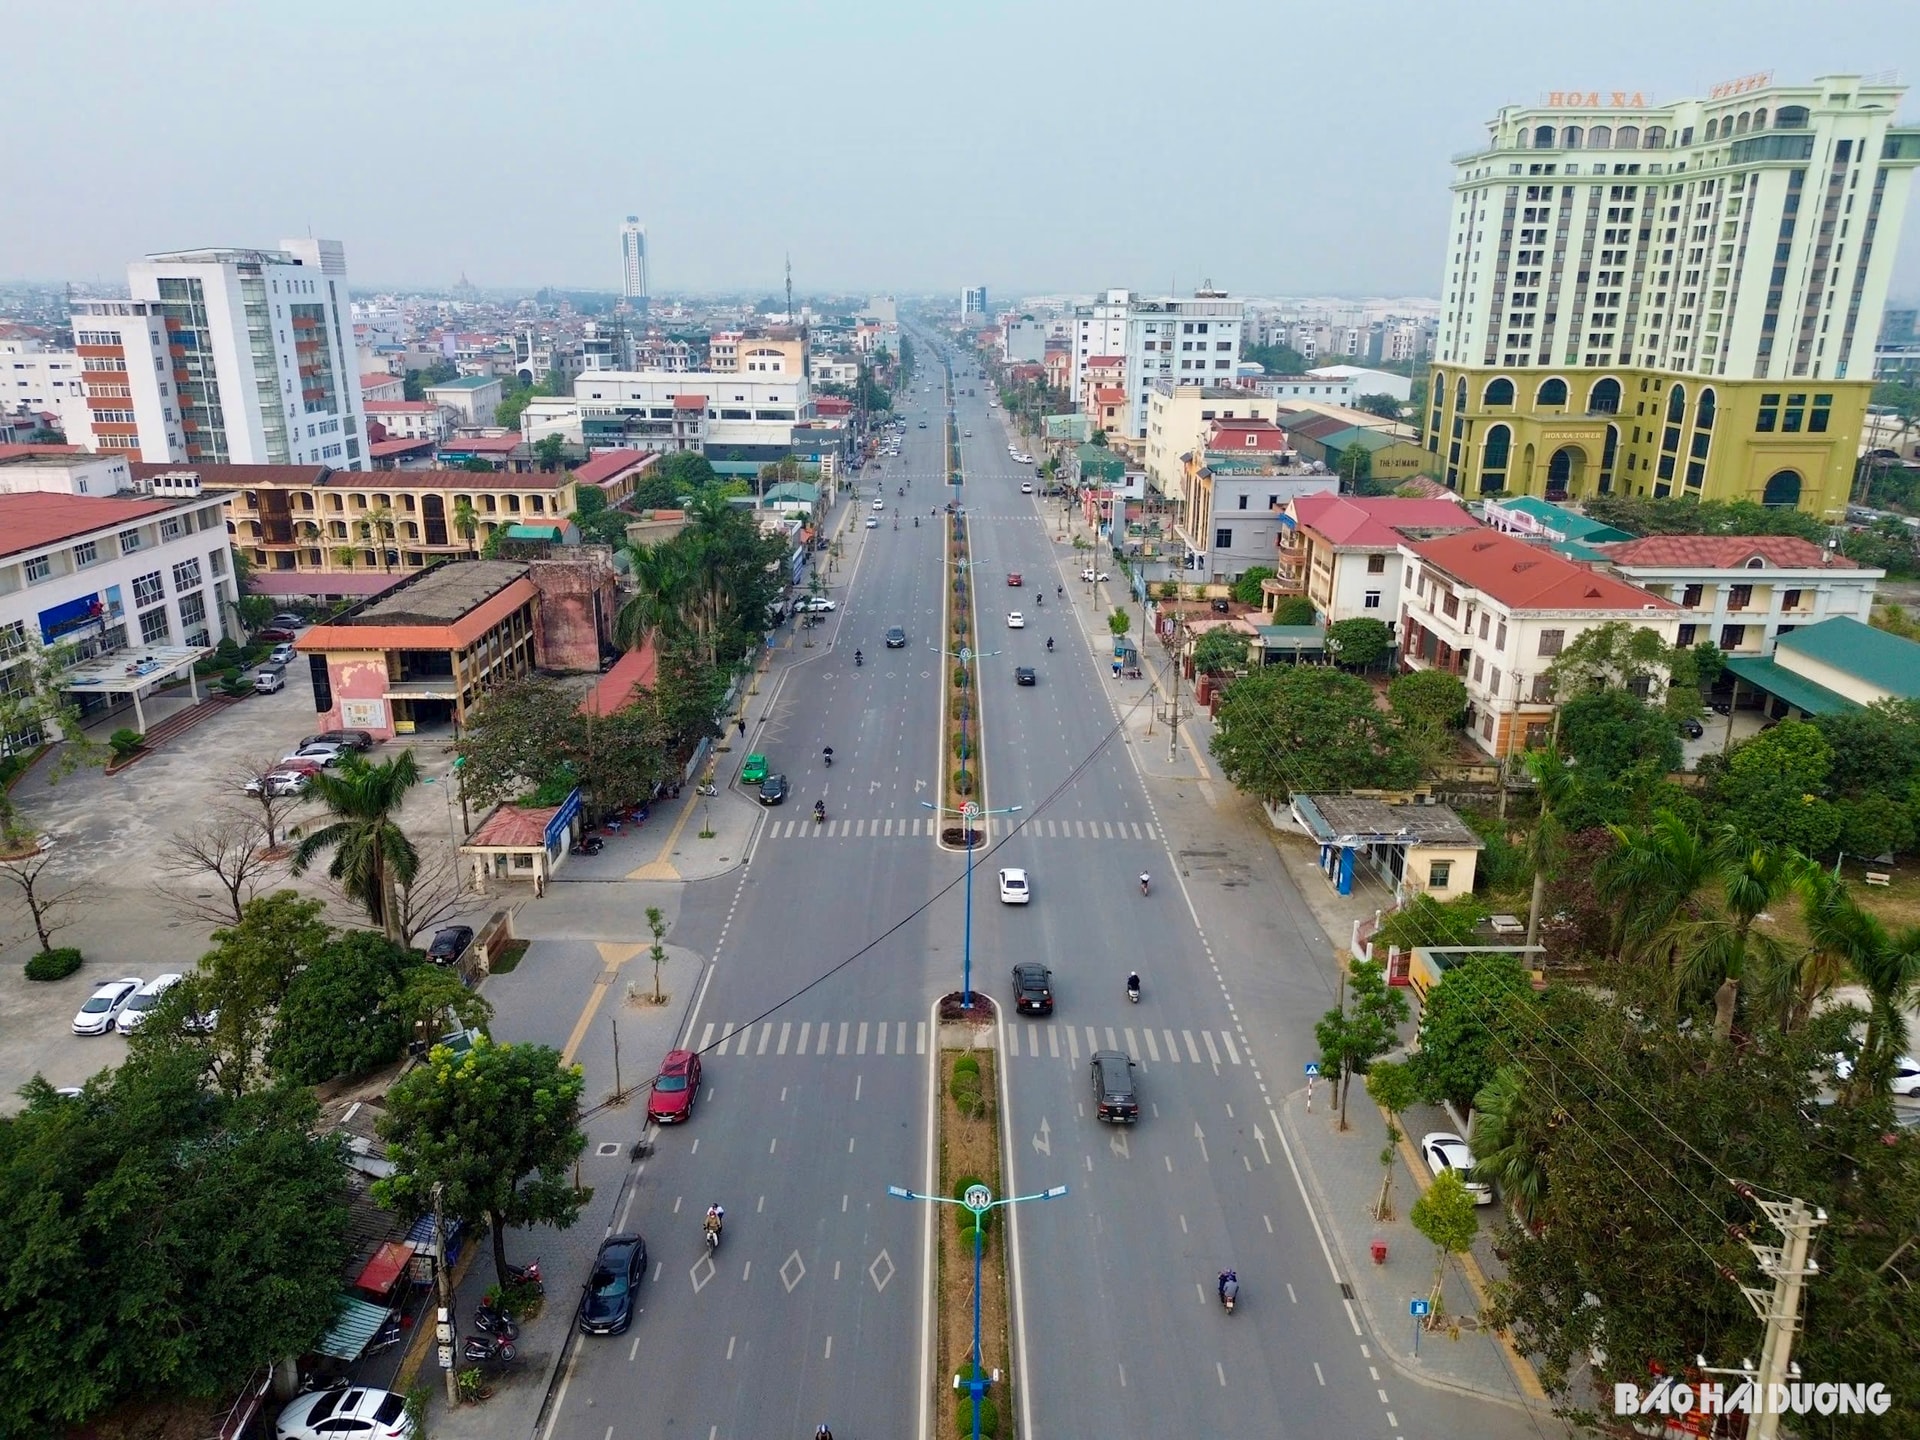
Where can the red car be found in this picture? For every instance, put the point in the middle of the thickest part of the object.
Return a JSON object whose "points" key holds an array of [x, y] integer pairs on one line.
{"points": [[675, 1088], [1013, 577]]}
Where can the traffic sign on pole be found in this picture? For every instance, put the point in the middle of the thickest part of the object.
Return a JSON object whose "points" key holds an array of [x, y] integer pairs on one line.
{"points": [[1313, 1069]]}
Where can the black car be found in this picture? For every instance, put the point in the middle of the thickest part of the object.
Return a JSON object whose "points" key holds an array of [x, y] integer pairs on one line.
{"points": [[450, 944], [1692, 728], [353, 739], [896, 638], [773, 790], [1113, 1096], [1023, 675], [606, 1306], [1033, 989]]}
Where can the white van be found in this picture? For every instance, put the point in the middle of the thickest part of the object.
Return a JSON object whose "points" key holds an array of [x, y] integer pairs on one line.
{"points": [[144, 999], [267, 682]]}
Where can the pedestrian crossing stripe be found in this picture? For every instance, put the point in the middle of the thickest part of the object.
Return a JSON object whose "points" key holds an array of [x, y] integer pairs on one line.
{"points": [[888, 828], [1026, 1039]]}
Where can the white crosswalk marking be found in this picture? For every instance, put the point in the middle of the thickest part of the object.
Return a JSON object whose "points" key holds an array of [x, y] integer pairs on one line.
{"points": [[861, 1047], [1053, 1042], [706, 1036], [841, 1048], [726, 1034], [805, 1026], [1112, 1044], [1073, 1045], [1092, 1043], [876, 827], [1233, 1051], [785, 1026], [1191, 1051], [1213, 1052], [1133, 1045], [766, 1034], [920, 1037], [824, 1027], [900, 1036], [1153, 1050], [1173, 1047]]}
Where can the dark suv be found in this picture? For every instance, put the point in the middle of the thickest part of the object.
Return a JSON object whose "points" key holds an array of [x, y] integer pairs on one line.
{"points": [[1033, 989], [1114, 1099]]}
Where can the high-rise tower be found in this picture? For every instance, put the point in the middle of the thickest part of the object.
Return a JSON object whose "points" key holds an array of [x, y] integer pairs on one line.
{"points": [[633, 260], [1673, 300]]}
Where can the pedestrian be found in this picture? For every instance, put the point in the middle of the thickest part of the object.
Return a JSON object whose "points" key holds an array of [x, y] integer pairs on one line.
{"points": [[741, 721]]}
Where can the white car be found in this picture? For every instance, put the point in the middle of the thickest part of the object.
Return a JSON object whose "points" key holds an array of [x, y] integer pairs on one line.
{"points": [[103, 1007], [321, 755], [134, 1012], [1090, 574], [1906, 1073], [1444, 1150], [879, 504], [1016, 621], [813, 602], [281, 783], [1013, 887], [1026, 487], [872, 524], [353, 1413]]}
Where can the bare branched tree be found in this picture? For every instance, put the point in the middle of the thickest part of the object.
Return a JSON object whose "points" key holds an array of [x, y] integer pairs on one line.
{"points": [[49, 895], [431, 898], [214, 868], [273, 811]]}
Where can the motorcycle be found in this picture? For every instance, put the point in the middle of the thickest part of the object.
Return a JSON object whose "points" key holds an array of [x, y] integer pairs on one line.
{"points": [[1229, 1294], [712, 1233], [527, 1274], [386, 1337], [589, 845], [1133, 988], [858, 660], [493, 1322], [826, 757], [488, 1350], [1049, 644], [1143, 884], [707, 789], [819, 814]]}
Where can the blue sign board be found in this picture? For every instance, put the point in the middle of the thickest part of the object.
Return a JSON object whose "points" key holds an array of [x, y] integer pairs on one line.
{"points": [[1420, 1307], [556, 832], [1313, 1069]]}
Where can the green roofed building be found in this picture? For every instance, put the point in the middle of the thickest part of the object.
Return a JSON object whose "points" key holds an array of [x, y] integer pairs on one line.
{"points": [[1098, 465], [1836, 665]]}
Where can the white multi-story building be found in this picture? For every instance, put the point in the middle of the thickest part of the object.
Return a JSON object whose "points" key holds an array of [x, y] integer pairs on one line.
{"points": [[736, 418], [91, 560], [34, 378], [1743, 592], [227, 356], [412, 419], [973, 302], [633, 259], [1192, 341]]}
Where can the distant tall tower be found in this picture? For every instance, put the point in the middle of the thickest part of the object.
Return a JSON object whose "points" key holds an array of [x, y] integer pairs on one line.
{"points": [[973, 301], [633, 262]]}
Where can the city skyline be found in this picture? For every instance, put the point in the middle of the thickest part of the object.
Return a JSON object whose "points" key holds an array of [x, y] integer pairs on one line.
{"points": [[1337, 190]]}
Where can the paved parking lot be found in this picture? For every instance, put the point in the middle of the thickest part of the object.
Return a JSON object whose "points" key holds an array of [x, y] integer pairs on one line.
{"points": [[111, 831]]}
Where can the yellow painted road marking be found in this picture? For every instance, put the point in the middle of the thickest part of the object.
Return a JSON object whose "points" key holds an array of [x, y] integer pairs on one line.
{"points": [[612, 956]]}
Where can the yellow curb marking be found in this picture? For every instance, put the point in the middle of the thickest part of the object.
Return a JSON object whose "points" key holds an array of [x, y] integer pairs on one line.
{"points": [[660, 868], [613, 955], [1477, 1282]]}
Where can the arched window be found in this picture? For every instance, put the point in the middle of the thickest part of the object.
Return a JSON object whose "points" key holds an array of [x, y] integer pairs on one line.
{"points": [[1676, 404], [1740, 125], [1783, 490], [1499, 392], [1760, 119], [1543, 137], [1551, 392], [1604, 397], [1499, 442], [1627, 137], [1713, 128], [1656, 138], [1600, 137], [1570, 137], [1460, 395], [1790, 117], [1704, 420]]}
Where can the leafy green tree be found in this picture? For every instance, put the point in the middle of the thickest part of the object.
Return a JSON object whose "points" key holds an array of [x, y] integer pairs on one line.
{"points": [[522, 732], [1508, 1138], [1874, 825], [1613, 732], [1445, 1215], [1276, 359], [476, 466], [1247, 588], [551, 452], [494, 1131], [239, 985], [1119, 622], [1428, 705], [162, 1240], [1886, 962], [1287, 730], [1385, 406], [1424, 920], [35, 705], [372, 855], [1353, 1035], [1874, 751], [1622, 655], [1219, 651], [339, 1016], [1363, 641], [1470, 1025], [1355, 469], [433, 999], [1390, 1086], [1639, 515], [1774, 788], [688, 471], [1294, 610]]}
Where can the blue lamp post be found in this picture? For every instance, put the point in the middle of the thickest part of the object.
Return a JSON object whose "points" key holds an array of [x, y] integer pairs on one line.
{"points": [[969, 814], [978, 1200]]}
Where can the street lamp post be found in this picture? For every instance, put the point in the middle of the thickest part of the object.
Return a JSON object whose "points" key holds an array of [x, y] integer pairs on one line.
{"points": [[978, 1200], [969, 814]]}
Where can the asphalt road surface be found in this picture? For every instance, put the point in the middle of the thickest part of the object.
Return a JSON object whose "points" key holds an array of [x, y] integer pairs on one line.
{"points": [[815, 1028]]}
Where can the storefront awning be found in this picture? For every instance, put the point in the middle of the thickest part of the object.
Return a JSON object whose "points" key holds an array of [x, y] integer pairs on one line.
{"points": [[388, 1264], [356, 1323]]}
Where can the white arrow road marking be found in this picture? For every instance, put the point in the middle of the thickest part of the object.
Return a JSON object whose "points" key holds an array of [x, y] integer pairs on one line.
{"points": [[1118, 1144], [1201, 1136], [1261, 1140], [1043, 1140]]}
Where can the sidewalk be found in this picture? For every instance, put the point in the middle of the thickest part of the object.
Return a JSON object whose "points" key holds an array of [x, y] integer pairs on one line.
{"points": [[1342, 1172]]}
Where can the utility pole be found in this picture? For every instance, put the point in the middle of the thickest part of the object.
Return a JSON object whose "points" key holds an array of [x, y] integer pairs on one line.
{"points": [[447, 1332], [1780, 1307], [1539, 870], [1173, 709]]}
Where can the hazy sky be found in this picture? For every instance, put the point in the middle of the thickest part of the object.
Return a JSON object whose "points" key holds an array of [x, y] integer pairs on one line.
{"points": [[1274, 148]]}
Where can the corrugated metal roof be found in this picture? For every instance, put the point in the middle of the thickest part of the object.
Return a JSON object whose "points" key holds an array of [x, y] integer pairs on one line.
{"points": [[1796, 690], [1879, 658], [356, 1323]]}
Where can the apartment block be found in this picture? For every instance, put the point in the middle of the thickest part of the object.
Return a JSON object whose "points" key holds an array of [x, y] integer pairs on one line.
{"points": [[1342, 552], [1675, 300]]}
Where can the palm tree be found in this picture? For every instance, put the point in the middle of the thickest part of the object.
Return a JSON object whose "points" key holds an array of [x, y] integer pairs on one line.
{"points": [[377, 527], [1511, 1117], [662, 582], [1886, 962], [1650, 879], [466, 520], [372, 857], [1719, 949]]}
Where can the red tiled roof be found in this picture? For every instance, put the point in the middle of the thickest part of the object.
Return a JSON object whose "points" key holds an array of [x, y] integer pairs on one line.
{"points": [[612, 464], [384, 449], [632, 672], [395, 407], [36, 518], [1257, 436], [483, 445], [1723, 552], [689, 402], [28, 452], [224, 477], [831, 405], [1106, 360], [1376, 521], [1529, 577], [1108, 395], [517, 826], [372, 379]]}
